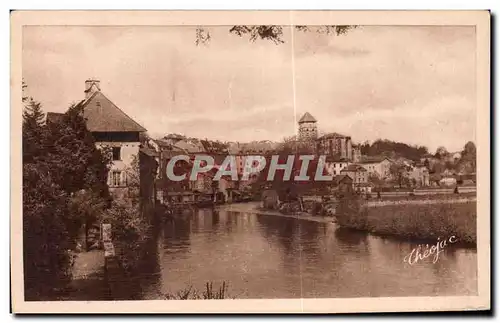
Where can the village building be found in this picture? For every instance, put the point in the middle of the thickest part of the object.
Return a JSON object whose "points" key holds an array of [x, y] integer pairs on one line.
{"points": [[113, 129], [335, 145], [343, 183], [359, 176], [378, 166], [419, 174], [356, 153], [335, 166]]}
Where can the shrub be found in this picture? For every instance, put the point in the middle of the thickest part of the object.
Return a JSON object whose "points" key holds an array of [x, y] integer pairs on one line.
{"points": [[130, 232], [418, 220]]}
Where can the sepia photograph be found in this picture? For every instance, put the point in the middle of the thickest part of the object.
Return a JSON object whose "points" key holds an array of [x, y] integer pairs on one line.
{"points": [[314, 161]]}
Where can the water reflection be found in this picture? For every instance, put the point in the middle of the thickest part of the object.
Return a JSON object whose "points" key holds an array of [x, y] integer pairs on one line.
{"points": [[266, 256]]}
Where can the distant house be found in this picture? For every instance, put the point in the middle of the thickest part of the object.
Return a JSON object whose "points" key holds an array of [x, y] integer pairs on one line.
{"points": [[204, 183], [420, 175], [357, 172], [379, 166], [334, 166], [356, 153], [343, 183]]}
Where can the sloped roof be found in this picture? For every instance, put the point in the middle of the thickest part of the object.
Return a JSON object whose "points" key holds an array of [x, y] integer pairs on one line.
{"points": [[354, 168], [333, 135], [340, 178], [190, 145], [258, 147], [102, 115], [148, 151], [373, 159], [307, 117]]}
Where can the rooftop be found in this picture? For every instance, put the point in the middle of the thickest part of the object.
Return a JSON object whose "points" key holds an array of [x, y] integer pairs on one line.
{"points": [[307, 117], [333, 135], [354, 168], [102, 115]]}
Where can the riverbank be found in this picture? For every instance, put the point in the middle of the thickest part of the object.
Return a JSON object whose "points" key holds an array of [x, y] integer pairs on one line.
{"points": [[255, 208], [88, 278], [426, 220]]}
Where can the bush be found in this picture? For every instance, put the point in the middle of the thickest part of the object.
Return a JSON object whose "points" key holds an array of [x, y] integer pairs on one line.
{"points": [[129, 233], [46, 243], [419, 220]]}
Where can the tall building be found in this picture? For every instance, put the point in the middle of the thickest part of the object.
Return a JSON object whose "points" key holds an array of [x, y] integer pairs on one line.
{"points": [[336, 146], [308, 129]]}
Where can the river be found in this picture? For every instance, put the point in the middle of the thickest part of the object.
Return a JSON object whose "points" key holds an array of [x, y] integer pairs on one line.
{"points": [[267, 256]]}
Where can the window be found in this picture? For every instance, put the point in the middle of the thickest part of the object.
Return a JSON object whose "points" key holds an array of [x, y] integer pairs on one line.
{"points": [[115, 178], [116, 153]]}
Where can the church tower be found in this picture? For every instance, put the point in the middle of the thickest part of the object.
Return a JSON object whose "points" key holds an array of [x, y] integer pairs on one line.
{"points": [[308, 129]]}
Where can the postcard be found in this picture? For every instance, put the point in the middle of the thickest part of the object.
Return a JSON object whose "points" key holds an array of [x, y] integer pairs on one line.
{"points": [[250, 161]]}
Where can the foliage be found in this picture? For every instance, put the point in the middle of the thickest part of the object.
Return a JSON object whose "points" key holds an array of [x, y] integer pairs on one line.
{"points": [[208, 293], [60, 162], [73, 156], [45, 240], [393, 149], [33, 131], [129, 232], [272, 33], [424, 221], [399, 173]]}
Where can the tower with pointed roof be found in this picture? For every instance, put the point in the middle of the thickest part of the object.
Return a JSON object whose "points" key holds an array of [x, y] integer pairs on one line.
{"points": [[308, 129]]}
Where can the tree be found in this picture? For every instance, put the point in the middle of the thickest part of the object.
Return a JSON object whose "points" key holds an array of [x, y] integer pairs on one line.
{"points": [[399, 173], [72, 154], [33, 131], [393, 149], [64, 185], [441, 152], [467, 162], [45, 239], [273, 33]]}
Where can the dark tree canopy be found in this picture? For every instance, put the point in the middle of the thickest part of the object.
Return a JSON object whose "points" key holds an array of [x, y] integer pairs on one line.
{"points": [[393, 149], [273, 33]]}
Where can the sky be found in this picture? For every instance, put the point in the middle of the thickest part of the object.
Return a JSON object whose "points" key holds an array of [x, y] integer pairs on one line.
{"points": [[410, 84]]}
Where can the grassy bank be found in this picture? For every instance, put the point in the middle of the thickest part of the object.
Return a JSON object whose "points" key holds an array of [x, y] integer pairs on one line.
{"points": [[422, 221]]}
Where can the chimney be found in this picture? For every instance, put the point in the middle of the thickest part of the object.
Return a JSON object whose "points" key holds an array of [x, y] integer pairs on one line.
{"points": [[91, 86]]}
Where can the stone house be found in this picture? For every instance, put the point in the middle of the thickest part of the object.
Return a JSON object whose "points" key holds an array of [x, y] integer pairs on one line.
{"points": [[359, 176], [113, 129], [379, 166], [335, 166], [335, 146]]}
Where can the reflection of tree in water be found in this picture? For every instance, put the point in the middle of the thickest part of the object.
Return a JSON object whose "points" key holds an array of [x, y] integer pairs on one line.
{"points": [[309, 236], [149, 264], [352, 240], [282, 230], [176, 232], [215, 218]]}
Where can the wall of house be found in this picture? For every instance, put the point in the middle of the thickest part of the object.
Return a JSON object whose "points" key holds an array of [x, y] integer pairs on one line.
{"points": [[335, 167], [358, 177], [128, 151]]}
